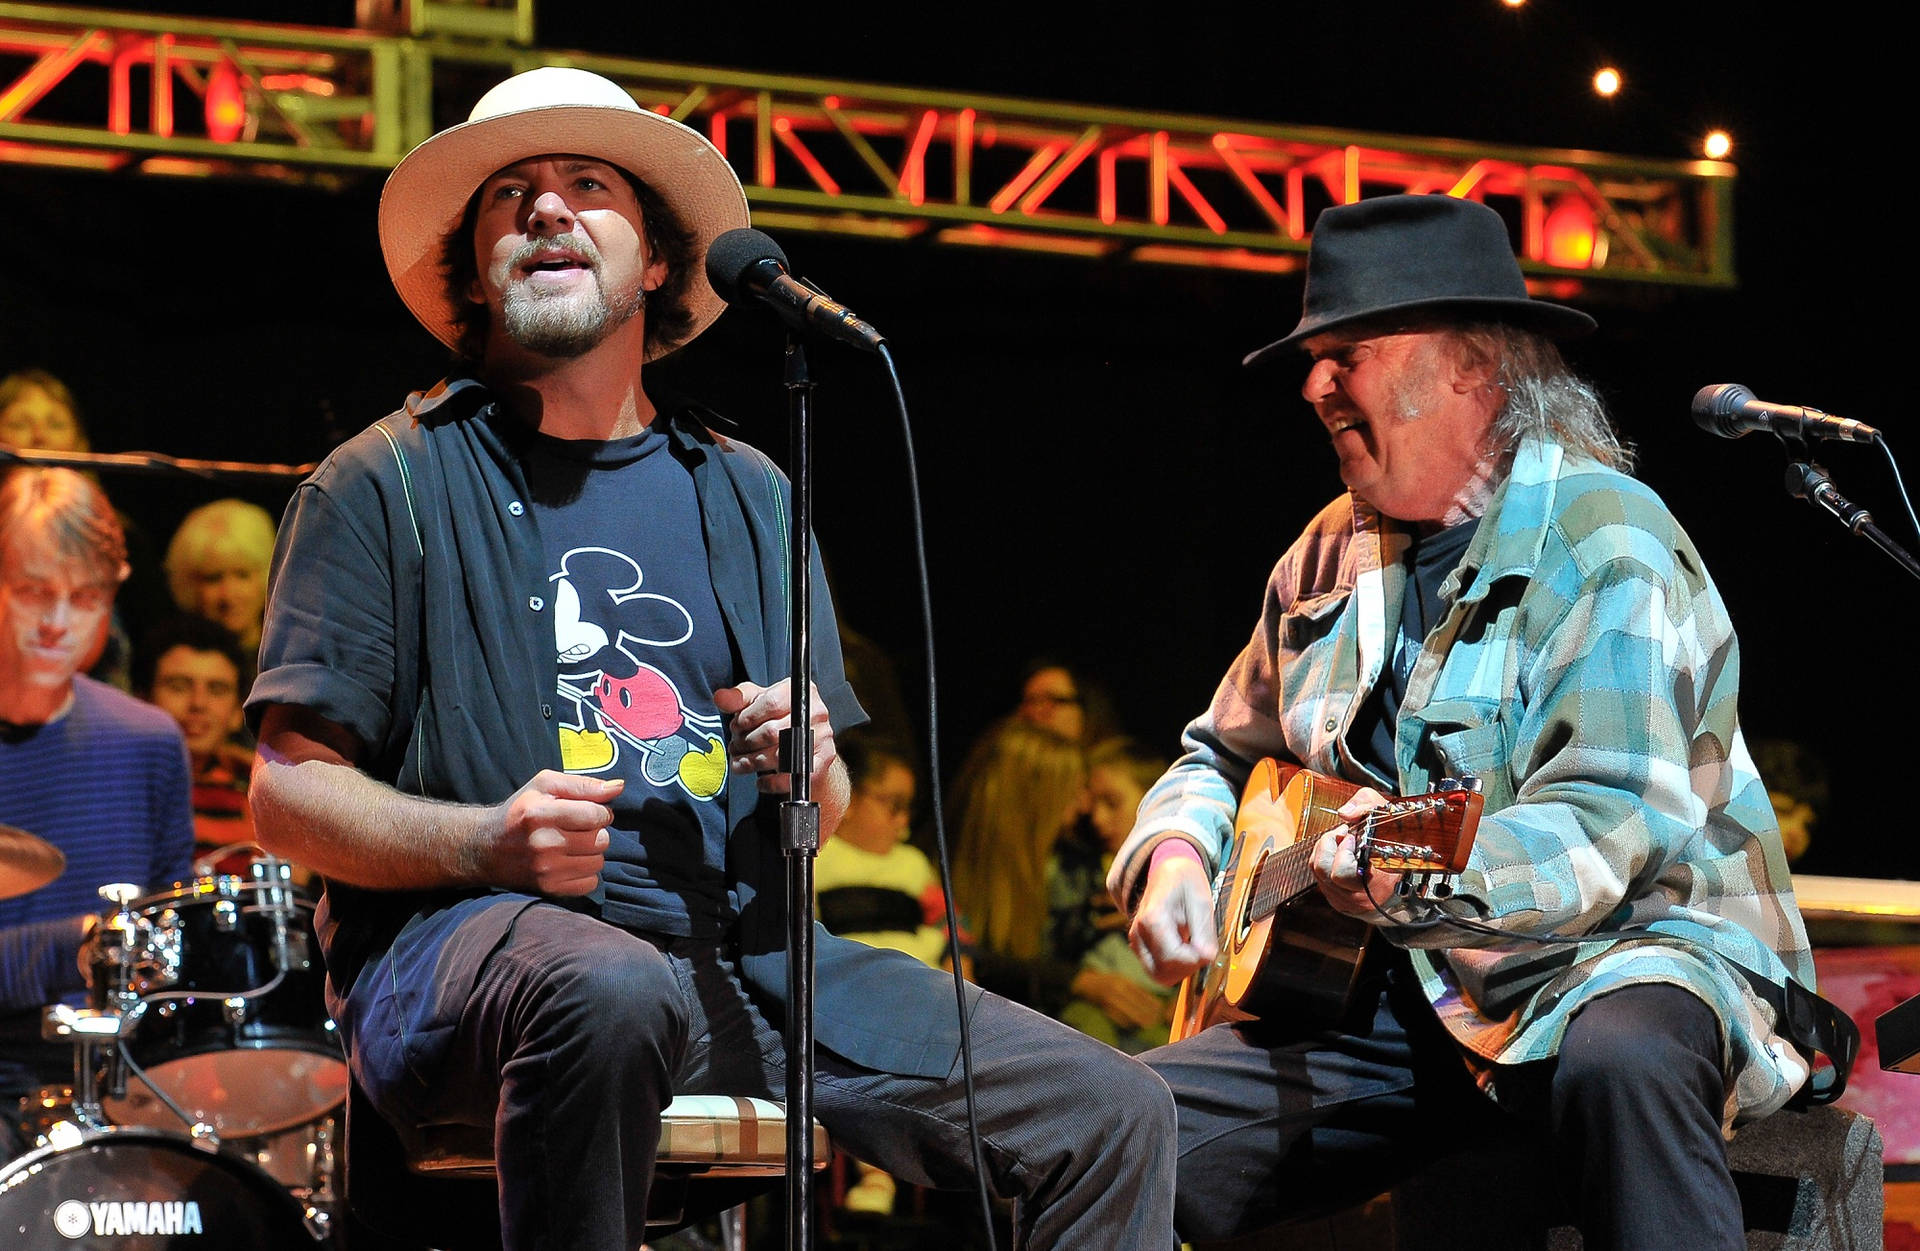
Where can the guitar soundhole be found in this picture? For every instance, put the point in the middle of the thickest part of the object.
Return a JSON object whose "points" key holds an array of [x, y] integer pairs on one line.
{"points": [[1243, 918]]}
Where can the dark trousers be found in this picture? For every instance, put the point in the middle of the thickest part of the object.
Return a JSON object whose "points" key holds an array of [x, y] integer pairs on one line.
{"points": [[1276, 1128], [578, 1033]]}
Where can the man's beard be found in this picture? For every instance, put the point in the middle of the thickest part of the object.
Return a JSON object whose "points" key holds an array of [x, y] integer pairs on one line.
{"points": [[564, 324]]}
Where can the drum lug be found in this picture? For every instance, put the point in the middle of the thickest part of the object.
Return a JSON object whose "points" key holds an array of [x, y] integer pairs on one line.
{"points": [[164, 950], [226, 916], [236, 1012]]}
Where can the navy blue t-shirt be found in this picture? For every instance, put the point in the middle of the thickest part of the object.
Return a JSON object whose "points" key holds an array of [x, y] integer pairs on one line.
{"points": [[1428, 562], [642, 647]]}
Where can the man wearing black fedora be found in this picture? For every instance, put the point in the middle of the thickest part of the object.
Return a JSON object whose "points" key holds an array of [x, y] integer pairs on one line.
{"points": [[521, 680], [1494, 597]]}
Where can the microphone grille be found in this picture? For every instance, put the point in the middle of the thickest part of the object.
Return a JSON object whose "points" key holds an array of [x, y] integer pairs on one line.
{"points": [[1720, 400], [731, 255], [1716, 408]]}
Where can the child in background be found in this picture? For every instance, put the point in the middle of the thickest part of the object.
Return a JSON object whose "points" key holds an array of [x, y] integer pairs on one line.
{"points": [[872, 886], [1115, 999]]}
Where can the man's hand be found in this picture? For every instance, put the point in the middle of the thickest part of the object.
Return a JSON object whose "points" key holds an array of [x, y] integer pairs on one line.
{"points": [[1336, 870], [1172, 929], [553, 834], [759, 714]]}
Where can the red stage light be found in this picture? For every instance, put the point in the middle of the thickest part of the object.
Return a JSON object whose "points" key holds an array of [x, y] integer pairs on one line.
{"points": [[1570, 234], [226, 103]]}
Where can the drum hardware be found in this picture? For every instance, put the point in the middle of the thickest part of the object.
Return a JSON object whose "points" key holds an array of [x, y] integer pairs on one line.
{"points": [[217, 1015], [92, 1031], [222, 1012]]}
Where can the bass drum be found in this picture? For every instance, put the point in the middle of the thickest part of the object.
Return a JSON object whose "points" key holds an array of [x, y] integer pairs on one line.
{"points": [[145, 1190]]}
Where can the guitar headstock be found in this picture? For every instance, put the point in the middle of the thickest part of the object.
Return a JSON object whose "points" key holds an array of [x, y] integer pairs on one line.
{"points": [[1430, 833]]}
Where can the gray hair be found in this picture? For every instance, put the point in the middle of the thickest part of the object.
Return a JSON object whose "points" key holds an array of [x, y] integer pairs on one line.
{"points": [[1543, 397], [69, 513]]}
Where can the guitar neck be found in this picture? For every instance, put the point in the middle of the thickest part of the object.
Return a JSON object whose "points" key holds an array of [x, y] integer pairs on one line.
{"points": [[1287, 873], [1284, 876]]}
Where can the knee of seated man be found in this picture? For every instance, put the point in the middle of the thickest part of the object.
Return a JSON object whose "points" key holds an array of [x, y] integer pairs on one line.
{"points": [[1642, 1037], [1134, 1104], [622, 991]]}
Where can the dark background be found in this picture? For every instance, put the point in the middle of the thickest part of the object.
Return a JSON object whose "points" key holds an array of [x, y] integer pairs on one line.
{"points": [[1100, 476]]}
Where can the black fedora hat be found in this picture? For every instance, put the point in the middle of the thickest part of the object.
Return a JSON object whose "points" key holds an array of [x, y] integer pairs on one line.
{"points": [[1399, 254]]}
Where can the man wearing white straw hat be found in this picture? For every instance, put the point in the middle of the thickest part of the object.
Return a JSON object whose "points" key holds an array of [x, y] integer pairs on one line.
{"points": [[522, 676]]}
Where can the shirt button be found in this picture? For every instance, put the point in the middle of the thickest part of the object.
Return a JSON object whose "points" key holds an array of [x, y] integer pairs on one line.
{"points": [[546, 710], [536, 603], [1332, 726], [516, 508]]}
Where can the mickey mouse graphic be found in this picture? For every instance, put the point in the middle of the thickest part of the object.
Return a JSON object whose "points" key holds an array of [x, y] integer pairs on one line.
{"points": [[602, 620]]}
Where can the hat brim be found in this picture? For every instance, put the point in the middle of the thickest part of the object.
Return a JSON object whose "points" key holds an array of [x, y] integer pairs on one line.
{"points": [[1556, 321], [428, 191]]}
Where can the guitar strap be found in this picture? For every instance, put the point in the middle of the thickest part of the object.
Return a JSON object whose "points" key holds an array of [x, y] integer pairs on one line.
{"points": [[1818, 1028]]}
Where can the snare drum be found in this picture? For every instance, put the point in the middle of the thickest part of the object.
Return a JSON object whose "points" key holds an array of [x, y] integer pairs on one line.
{"points": [[144, 1190], [234, 1055]]}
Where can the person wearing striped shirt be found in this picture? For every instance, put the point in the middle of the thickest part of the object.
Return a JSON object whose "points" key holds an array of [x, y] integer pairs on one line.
{"points": [[100, 775]]}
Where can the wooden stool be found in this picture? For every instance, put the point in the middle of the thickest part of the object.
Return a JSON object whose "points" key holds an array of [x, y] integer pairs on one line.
{"points": [[436, 1185]]}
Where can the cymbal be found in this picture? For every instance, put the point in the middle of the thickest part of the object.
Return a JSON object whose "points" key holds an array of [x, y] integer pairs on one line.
{"points": [[26, 863]]}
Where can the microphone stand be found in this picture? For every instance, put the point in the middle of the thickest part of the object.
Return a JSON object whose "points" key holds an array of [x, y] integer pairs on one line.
{"points": [[799, 815], [1807, 481]]}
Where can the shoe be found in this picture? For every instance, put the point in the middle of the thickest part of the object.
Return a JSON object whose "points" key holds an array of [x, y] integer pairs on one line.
{"points": [[872, 1195]]}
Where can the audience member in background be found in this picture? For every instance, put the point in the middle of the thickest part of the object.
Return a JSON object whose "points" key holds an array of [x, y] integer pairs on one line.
{"points": [[1018, 794], [1057, 696], [196, 671], [37, 411], [870, 883], [873, 886], [217, 565], [1115, 999], [95, 772], [1797, 784]]}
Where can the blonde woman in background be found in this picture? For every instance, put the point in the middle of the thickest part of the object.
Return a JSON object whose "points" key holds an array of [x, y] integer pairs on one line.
{"points": [[1018, 793], [217, 565]]}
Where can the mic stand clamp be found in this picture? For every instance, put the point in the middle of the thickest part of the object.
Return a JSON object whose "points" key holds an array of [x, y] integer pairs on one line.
{"points": [[1807, 481]]}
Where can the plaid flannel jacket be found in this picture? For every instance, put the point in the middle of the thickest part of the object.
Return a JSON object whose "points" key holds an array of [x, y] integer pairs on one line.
{"points": [[1587, 673]]}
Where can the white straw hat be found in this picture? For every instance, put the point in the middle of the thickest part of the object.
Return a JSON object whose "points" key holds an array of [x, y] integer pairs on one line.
{"points": [[551, 110]]}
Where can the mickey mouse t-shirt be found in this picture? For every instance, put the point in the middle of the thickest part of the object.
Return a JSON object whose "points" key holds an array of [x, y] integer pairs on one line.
{"points": [[642, 647]]}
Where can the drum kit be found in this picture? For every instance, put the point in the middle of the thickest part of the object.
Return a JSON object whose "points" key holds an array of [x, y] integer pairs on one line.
{"points": [[208, 1081]]}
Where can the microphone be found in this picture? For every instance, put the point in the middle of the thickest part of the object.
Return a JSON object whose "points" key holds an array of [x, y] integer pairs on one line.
{"points": [[1729, 410], [745, 264]]}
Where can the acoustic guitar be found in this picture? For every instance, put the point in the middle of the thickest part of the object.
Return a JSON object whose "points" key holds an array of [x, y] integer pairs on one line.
{"points": [[1282, 946]]}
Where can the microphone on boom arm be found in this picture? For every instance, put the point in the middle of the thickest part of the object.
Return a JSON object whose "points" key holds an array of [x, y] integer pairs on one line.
{"points": [[1730, 410], [745, 265]]}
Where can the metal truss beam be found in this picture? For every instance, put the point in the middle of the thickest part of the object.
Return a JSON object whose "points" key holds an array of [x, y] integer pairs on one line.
{"points": [[107, 90]]}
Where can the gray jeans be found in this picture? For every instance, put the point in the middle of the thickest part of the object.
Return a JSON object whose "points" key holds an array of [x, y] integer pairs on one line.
{"points": [[578, 1033]]}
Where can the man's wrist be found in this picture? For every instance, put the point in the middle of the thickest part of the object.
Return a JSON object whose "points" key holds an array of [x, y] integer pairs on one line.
{"points": [[1174, 849]]}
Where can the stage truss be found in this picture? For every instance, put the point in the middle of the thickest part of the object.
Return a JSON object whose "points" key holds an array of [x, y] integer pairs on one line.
{"points": [[110, 91]]}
